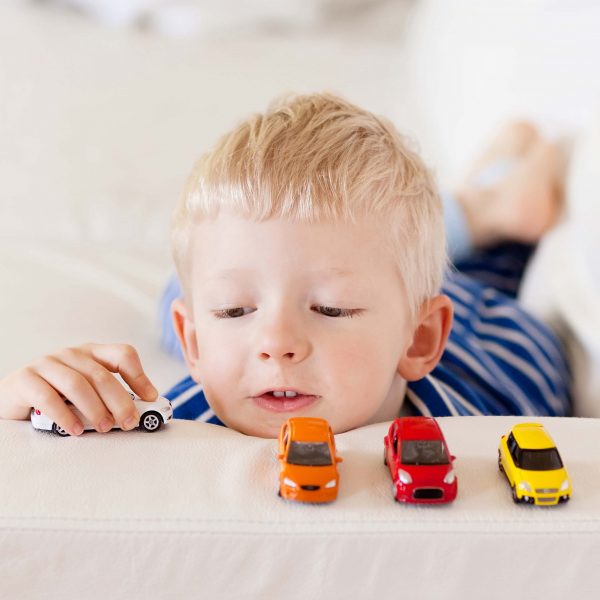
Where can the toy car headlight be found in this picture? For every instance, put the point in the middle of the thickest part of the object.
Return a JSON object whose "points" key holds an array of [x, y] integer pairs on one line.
{"points": [[450, 477], [524, 486], [287, 481], [404, 476], [330, 484], [565, 485]]}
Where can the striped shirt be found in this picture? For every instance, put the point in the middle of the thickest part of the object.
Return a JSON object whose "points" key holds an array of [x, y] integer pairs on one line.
{"points": [[499, 360]]}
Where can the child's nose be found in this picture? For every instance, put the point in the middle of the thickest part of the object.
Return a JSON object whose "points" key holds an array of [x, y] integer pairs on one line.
{"points": [[280, 342]]}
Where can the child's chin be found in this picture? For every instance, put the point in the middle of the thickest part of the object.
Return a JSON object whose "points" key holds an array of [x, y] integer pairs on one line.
{"points": [[264, 428], [257, 427], [267, 432], [269, 425]]}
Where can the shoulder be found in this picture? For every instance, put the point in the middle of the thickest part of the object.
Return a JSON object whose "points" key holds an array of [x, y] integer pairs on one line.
{"points": [[498, 359], [189, 402]]}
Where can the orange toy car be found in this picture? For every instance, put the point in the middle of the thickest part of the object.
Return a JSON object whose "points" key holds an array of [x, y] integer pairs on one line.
{"points": [[308, 461]]}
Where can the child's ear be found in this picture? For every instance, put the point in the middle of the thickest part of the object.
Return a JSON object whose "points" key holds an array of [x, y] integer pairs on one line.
{"points": [[186, 333], [428, 339]]}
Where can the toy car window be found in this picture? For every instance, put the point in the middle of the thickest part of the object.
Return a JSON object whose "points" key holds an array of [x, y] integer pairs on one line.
{"points": [[312, 454], [424, 452], [539, 460], [512, 444]]}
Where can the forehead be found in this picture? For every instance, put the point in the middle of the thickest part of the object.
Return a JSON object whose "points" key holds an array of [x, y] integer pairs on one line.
{"points": [[229, 245]]}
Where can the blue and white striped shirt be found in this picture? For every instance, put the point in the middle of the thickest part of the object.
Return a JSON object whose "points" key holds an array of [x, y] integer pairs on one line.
{"points": [[499, 360]]}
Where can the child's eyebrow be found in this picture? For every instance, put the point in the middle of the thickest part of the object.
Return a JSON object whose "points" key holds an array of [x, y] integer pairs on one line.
{"points": [[231, 273], [332, 272], [236, 272]]}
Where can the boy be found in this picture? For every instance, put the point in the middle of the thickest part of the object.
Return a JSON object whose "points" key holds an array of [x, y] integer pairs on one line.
{"points": [[311, 251]]}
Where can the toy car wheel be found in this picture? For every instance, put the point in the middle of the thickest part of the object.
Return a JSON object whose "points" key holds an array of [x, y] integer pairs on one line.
{"points": [[384, 457], [514, 495], [150, 421], [395, 492], [59, 430], [500, 467]]}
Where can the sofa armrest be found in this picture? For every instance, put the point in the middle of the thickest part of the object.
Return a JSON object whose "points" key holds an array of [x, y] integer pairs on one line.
{"points": [[193, 508]]}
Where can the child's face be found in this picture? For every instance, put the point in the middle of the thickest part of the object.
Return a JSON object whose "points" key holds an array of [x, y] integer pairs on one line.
{"points": [[314, 309]]}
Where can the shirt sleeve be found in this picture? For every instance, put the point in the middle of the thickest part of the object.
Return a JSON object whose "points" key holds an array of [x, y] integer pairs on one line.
{"points": [[168, 339], [458, 236]]}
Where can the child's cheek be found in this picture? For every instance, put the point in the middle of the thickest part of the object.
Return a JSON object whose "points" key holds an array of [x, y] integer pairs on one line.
{"points": [[215, 401], [355, 352]]}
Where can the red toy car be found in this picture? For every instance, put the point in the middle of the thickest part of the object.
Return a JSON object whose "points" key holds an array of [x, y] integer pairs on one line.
{"points": [[420, 464]]}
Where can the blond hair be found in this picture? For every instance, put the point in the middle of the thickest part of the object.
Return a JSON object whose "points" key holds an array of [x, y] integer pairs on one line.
{"points": [[314, 158]]}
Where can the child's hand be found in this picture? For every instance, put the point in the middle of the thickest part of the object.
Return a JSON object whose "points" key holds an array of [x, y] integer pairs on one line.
{"points": [[84, 376]]}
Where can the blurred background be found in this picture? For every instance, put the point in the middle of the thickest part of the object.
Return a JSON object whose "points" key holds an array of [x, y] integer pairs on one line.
{"points": [[106, 104]]}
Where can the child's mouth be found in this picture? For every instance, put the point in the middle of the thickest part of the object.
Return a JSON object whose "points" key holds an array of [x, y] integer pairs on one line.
{"points": [[284, 402]]}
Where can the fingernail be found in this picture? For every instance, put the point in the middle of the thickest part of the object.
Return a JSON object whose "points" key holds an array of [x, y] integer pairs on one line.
{"points": [[106, 424], [77, 429], [130, 422]]}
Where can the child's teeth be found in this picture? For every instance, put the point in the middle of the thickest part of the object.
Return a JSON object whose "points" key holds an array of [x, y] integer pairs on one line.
{"points": [[279, 394], [290, 394], [287, 394]]}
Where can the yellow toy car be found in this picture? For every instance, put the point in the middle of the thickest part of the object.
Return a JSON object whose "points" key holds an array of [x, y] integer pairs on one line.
{"points": [[529, 459]]}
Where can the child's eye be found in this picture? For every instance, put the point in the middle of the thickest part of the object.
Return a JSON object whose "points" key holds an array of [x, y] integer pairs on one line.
{"points": [[233, 313], [331, 311]]}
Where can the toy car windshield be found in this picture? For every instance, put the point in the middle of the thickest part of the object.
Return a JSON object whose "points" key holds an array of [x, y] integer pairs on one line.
{"points": [[538, 460], [424, 452], [311, 454]]}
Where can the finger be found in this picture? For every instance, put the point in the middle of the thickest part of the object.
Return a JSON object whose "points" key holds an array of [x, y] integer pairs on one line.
{"points": [[111, 394], [69, 380], [13, 405], [124, 360], [47, 400]]}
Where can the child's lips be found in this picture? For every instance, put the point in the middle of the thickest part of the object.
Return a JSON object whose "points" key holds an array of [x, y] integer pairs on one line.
{"points": [[284, 404]]}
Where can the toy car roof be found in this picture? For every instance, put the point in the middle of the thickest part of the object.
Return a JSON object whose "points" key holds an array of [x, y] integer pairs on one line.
{"points": [[308, 429], [532, 436], [419, 428]]}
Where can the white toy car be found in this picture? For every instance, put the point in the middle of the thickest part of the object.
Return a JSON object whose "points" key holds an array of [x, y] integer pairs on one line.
{"points": [[152, 416]]}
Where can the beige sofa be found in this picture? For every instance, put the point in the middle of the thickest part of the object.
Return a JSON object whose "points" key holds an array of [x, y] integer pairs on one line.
{"points": [[193, 511]]}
